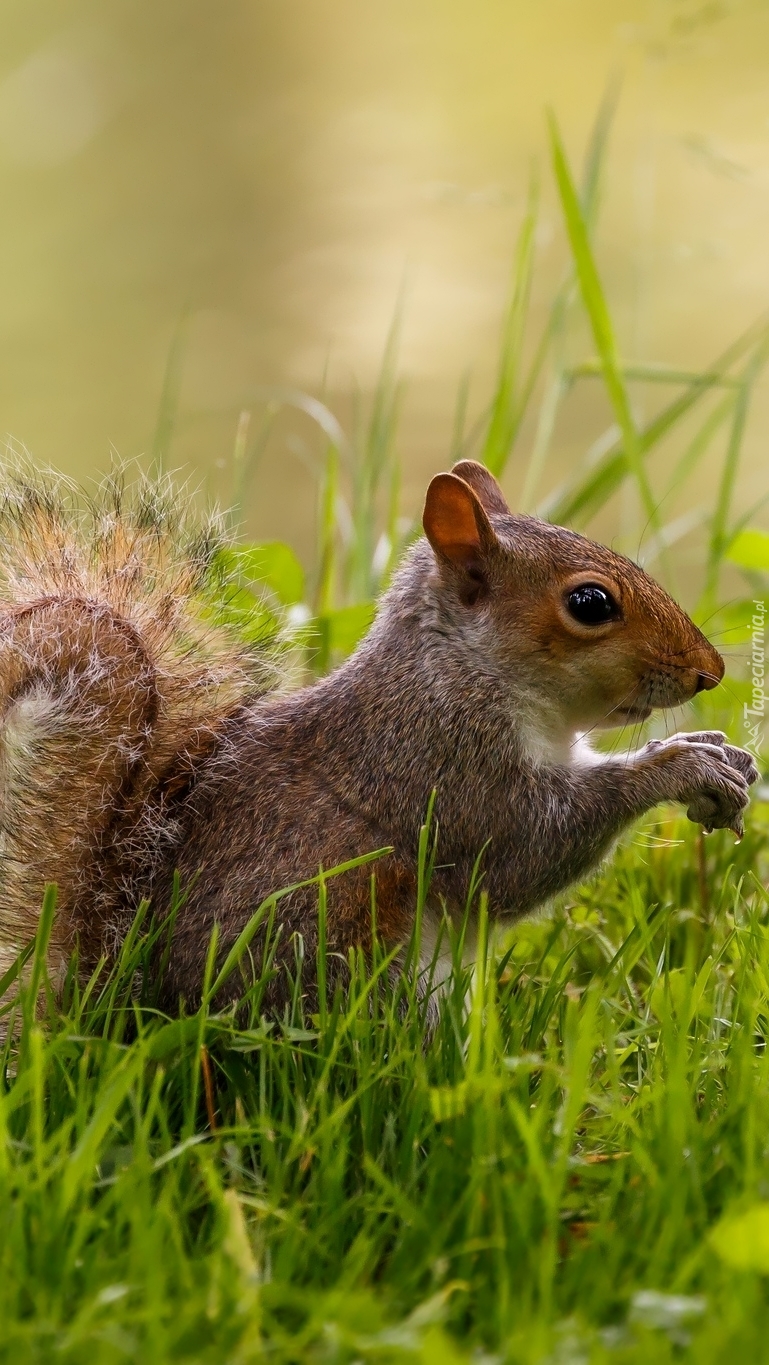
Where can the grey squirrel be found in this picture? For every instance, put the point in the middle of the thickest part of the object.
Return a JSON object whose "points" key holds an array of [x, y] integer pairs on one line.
{"points": [[140, 738]]}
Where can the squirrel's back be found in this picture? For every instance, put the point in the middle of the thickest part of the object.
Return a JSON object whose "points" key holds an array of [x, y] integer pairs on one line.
{"points": [[115, 677]]}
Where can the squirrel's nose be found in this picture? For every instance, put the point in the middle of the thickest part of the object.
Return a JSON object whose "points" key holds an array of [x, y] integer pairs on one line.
{"points": [[712, 669], [705, 681]]}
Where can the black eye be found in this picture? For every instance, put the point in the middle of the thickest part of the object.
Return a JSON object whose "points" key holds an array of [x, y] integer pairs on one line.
{"points": [[591, 604]]}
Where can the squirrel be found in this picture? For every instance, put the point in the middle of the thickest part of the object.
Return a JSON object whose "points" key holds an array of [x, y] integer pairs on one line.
{"points": [[142, 742]]}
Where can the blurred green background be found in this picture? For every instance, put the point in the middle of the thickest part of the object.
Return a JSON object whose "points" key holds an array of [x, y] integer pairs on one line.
{"points": [[227, 200]]}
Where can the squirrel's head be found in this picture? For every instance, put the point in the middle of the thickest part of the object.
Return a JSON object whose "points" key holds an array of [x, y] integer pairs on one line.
{"points": [[571, 624]]}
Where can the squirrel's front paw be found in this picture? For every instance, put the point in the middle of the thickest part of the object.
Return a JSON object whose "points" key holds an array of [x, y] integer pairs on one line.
{"points": [[705, 773]]}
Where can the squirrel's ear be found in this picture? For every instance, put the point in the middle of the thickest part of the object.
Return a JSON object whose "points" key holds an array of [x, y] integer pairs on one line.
{"points": [[456, 525], [483, 483]]}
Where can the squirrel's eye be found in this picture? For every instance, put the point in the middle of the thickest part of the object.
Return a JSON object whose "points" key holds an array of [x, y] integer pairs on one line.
{"points": [[591, 604]]}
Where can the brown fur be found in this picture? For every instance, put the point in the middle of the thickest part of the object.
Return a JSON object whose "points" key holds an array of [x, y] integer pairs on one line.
{"points": [[475, 682], [113, 685]]}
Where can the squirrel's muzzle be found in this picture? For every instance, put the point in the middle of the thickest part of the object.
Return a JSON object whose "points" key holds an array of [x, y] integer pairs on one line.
{"points": [[706, 671]]}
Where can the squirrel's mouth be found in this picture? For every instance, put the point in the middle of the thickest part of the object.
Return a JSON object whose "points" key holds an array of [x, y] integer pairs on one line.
{"points": [[624, 715], [634, 713]]}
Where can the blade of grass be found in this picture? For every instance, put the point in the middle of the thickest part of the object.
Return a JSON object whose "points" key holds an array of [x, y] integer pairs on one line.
{"points": [[594, 301], [246, 934], [16, 968], [552, 338], [744, 521], [374, 456], [327, 533], [548, 413], [168, 406], [508, 406], [719, 534], [458, 439], [669, 533], [652, 374], [38, 976], [582, 498], [595, 157], [318, 412], [699, 444]]}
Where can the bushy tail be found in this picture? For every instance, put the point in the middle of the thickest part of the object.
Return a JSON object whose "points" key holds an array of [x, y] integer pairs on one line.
{"points": [[115, 678]]}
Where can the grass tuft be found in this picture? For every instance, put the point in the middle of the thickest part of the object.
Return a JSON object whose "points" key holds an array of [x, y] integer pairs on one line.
{"points": [[568, 1151]]}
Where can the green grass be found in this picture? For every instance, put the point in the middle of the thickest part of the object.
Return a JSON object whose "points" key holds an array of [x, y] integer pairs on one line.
{"points": [[572, 1164], [586, 1123]]}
